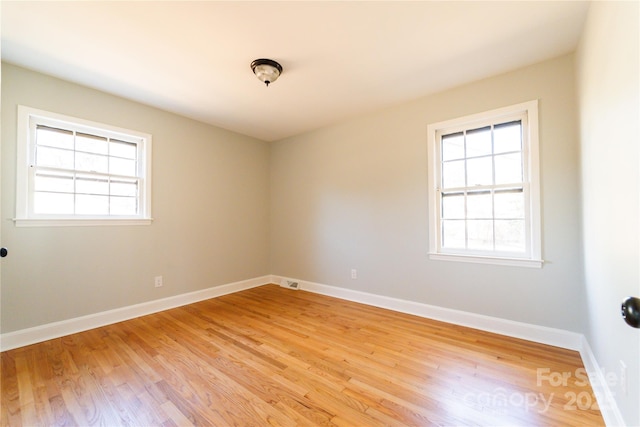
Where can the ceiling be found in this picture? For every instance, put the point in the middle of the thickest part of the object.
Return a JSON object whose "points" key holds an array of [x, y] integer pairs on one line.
{"points": [[340, 59]]}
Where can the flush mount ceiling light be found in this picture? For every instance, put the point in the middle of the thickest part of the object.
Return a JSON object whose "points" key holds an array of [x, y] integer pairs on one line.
{"points": [[266, 70]]}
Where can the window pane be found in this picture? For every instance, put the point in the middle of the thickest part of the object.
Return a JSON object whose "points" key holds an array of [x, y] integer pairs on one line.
{"points": [[453, 206], [479, 171], [54, 157], [54, 137], [453, 174], [508, 168], [509, 204], [480, 234], [510, 235], [54, 182], [127, 150], [123, 206], [453, 146], [479, 142], [124, 188], [507, 137], [52, 203], [91, 162], [479, 205], [92, 185], [78, 169], [453, 234], [91, 143], [118, 166], [92, 205]]}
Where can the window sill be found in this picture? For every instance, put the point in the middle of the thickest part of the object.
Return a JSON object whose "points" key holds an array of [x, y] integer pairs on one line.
{"points": [[81, 222], [516, 262]]}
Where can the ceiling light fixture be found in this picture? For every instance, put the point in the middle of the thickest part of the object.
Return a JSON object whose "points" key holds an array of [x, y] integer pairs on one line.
{"points": [[266, 70]]}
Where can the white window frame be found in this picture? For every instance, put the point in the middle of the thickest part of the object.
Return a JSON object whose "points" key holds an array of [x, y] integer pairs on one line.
{"points": [[28, 119], [531, 182]]}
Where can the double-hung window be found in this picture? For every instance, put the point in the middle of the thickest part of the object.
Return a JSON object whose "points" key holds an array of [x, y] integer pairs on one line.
{"points": [[76, 172], [484, 187]]}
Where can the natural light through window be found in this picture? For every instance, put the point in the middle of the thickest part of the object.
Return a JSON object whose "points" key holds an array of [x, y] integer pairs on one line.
{"points": [[72, 169], [484, 189]]}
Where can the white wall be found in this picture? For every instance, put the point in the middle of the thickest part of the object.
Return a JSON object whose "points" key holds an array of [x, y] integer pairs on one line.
{"points": [[609, 102], [210, 204], [354, 195]]}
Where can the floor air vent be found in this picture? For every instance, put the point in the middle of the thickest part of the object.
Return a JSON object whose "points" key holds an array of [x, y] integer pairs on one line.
{"points": [[290, 284]]}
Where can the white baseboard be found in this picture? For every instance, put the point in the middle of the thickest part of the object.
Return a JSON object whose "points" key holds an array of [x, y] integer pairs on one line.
{"points": [[541, 334], [536, 333], [526, 331], [608, 407], [49, 331]]}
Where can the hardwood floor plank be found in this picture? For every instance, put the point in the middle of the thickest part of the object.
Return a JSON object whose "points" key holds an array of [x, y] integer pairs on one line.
{"points": [[176, 416], [25, 394], [272, 356]]}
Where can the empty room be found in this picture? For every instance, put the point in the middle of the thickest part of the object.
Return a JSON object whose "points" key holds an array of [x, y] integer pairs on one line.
{"points": [[309, 213]]}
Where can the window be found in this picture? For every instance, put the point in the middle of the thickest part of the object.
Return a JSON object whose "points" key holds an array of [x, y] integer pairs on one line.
{"points": [[484, 188], [75, 172]]}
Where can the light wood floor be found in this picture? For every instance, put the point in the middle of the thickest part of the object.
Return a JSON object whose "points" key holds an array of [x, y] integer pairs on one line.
{"points": [[273, 356]]}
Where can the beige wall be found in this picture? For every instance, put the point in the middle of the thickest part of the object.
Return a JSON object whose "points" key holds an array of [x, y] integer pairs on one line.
{"points": [[210, 204], [609, 94], [354, 195]]}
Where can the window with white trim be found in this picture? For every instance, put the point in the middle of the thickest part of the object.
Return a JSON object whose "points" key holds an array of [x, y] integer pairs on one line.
{"points": [[484, 188], [72, 171]]}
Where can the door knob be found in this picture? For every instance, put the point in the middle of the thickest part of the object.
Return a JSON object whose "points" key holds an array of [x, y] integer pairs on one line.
{"points": [[3, 252], [631, 311]]}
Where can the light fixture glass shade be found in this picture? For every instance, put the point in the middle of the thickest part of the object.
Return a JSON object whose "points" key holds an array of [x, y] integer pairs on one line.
{"points": [[266, 70]]}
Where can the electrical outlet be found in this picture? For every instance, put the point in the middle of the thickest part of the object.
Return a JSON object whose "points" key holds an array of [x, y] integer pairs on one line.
{"points": [[158, 281], [354, 273], [623, 379]]}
